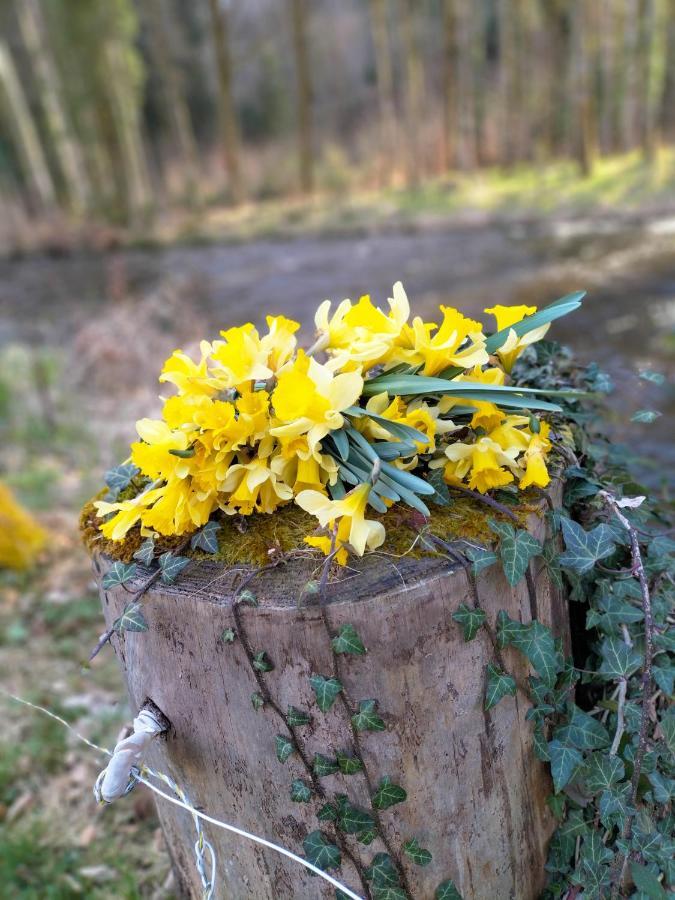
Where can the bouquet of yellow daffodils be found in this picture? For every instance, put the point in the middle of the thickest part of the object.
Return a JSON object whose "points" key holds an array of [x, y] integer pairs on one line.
{"points": [[380, 410]]}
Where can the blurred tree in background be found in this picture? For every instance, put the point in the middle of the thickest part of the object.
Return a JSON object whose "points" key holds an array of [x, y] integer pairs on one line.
{"points": [[119, 110]]}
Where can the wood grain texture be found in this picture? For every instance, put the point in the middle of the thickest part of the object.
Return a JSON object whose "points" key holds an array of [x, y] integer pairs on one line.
{"points": [[476, 792]]}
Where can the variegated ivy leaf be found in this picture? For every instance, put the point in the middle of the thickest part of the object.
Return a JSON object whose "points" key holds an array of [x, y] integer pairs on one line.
{"points": [[348, 641], [300, 791], [388, 794], [470, 618], [516, 548], [565, 760], [320, 852], [326, 691], [132, 619], [447, 891], [417, 854], [171, 566], [283, 746], [206, 538], [584, 548], [146, 552], [118, 573], [367, 719], [499, 685], [120, 477]]}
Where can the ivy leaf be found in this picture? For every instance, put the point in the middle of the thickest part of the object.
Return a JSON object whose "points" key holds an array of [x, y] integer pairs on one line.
{"points": [[447, 891], [441, 497], [565, 761], [550, 557], [539, 744], [646, 881], [499, 685], [327, 813], [349, 765], [171, 566], [645, 416], [388, 794], [132, 619], [206, 538], [325, 690], [417, 854], [481, 559], [618, 659], [320, 852], [354, 820], [537, 643], [382, 871], [389, 893], [656, 378], [516, 549], [146, 552], [470, 618], [257, 701], [507, 629], [228, 636], [583, 731], [296, 716], [667, 725], [366, 837], [284, 747], [348, 641], [120, 477], [366, 719], [603, 771], [118, 573], [324, 765], [300, 792], [584, 548], [262, 662]]}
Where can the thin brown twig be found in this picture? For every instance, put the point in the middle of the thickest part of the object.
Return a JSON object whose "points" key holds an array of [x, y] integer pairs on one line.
{"points": [[487, 500]]}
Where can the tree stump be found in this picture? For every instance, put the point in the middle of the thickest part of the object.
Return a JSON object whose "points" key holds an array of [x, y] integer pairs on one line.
{"points": [[475, 790]]}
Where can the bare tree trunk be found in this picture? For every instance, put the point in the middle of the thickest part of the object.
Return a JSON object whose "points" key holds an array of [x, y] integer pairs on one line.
{"points": [[29, 148], [508, 75], [667, 105], [582, 38], [127, 125], [384, 73], [450, 112], [414, 90], [647, 107], [466, 147], [64, 141], [304, 95], [229, 127], [174, 98]]}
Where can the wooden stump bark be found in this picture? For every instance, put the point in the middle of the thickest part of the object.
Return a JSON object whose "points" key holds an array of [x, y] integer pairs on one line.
{"points": [[475, 790]]}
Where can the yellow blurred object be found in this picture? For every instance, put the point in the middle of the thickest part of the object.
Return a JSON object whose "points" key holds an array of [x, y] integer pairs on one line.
{"points": [[21, 537]]}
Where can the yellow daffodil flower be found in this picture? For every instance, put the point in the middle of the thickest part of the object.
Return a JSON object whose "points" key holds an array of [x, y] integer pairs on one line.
{"points": [[353, 528], [153, 454], [190, 377], [448, 345], [280, 341], [253, 487], [534, 458], [487, 415], [241, 357], [506, 316], [483, 461]]}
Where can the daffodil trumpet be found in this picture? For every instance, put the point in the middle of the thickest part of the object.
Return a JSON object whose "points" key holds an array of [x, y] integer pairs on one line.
{"points": [[368, 417]]}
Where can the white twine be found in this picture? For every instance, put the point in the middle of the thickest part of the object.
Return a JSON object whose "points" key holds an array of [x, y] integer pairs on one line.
{"points": [[139, 775]]}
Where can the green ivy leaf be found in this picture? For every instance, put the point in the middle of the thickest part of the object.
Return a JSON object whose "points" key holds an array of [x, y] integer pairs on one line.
{"points": [[646, 416], [284, 747], [349, 765], [171, 566], [120, 477], [248, 597], [146, 552], [618, 659], [325, 690], [507, 629], [257, 701], [118, 573], [300, 792], [382, 871], [645, 880], [516, 549], [348, 641], [551, 561], [447, 891], [324, 765], [583, 731], [327, 813], [228, 636], [388, 794], [354, 820], [584, 548], [537, 643], [470, 618], [132, 619], [389, 893], [668, 729], [656, 378], [602, 771], [366, 719], [206, 538], [539, 743], [366, 837], [499, 685], [565, 761], [296, 717], [262, 662], [480, 558], [442, 495], [320, 852], [417, 854]]}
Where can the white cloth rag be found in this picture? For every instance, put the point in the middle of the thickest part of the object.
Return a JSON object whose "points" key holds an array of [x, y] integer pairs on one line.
{"points": [[128, 753]]}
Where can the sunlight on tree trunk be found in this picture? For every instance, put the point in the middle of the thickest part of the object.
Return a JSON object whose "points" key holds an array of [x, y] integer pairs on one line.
{"points": [[384, 76], [229, 127], [583, 38]]}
